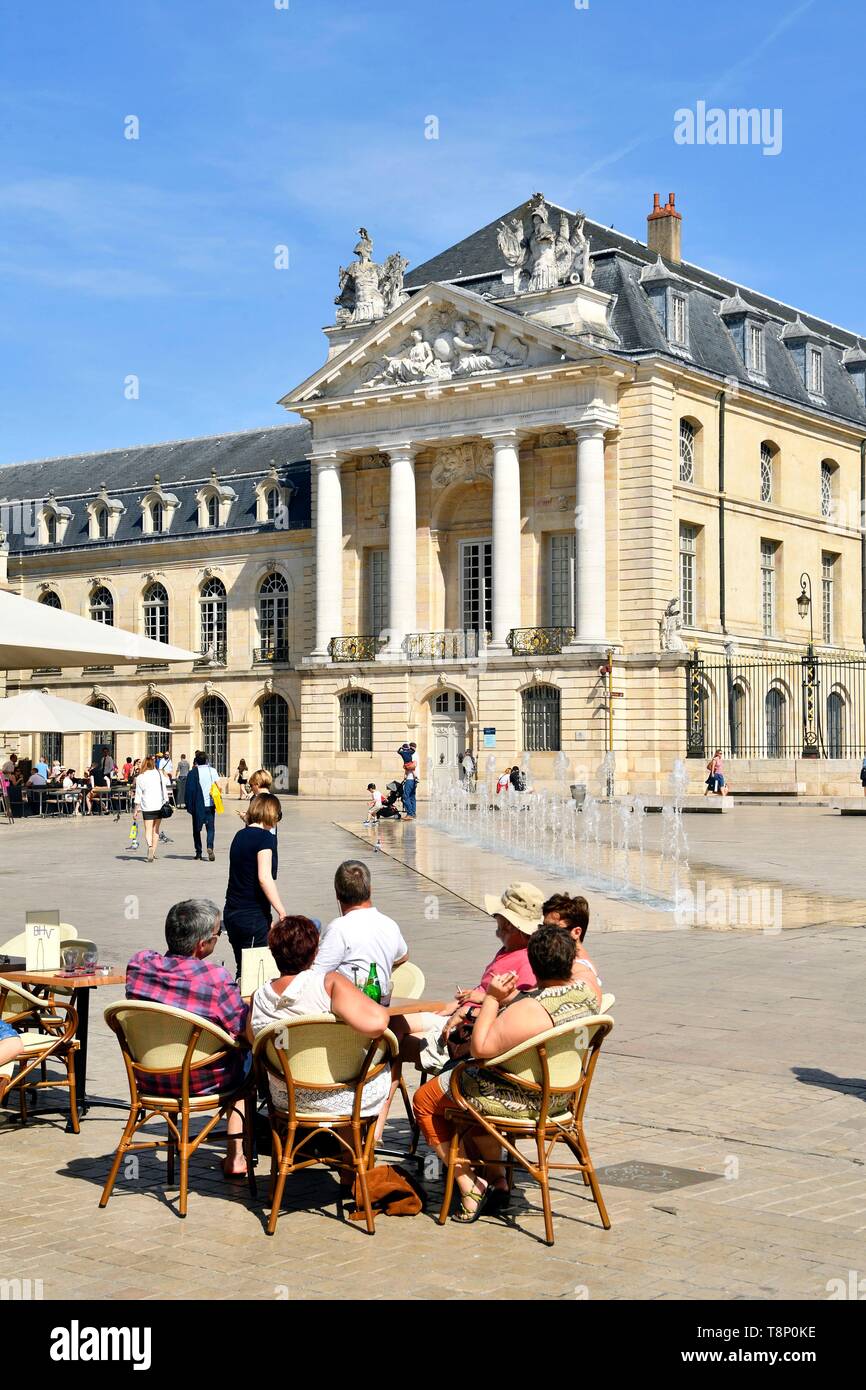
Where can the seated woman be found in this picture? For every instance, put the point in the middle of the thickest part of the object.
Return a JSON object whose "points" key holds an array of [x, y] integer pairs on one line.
{"points": [[300, 991], [11, 1048], [555, 1000]]}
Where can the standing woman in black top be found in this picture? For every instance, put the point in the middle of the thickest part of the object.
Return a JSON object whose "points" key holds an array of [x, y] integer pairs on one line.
{"points": [[252, 889]]}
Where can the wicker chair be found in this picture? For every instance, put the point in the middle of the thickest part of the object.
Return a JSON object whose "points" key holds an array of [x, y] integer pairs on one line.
{"points": [[320, 1054], [156, 1039], [408, 982], [555, 1069], [50, 1033]]}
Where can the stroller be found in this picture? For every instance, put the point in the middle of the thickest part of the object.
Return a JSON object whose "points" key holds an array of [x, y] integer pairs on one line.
{"points": [[388, 809]]}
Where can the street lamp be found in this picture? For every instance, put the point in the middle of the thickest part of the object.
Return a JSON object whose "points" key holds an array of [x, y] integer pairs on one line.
{"points": [[804, 603]]}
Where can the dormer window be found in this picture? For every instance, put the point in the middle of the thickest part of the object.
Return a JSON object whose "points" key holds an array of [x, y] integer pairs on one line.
{"points": [[157, 518], [755, 349], [272, 501], [104, 513], [157, 509], [815, 371], [100, 517], [215, 502], [51, 528], [54, 519], [677, 323], [213, 510]]}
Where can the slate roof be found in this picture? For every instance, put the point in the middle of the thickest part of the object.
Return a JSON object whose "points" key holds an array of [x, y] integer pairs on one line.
{"points": [[183, 466], [618, 261]]}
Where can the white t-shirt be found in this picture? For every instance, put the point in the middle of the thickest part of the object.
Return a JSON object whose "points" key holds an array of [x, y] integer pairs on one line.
{"points": [[363, 937], [375, 801]]}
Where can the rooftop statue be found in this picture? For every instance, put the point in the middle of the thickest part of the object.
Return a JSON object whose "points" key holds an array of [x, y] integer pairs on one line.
{"points": [[540, 258], [369, 291]]}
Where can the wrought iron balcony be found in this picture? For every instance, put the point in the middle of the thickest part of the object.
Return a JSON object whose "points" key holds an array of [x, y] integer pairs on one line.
{"points": [[45, 671], [97, 670], [454, 645], [214, 655], [276, 652], [144, 666], [358, 648], [539, 641]]}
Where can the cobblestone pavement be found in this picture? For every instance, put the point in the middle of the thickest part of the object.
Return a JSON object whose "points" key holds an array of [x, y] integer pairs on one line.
{"points": [[737, 1059]]}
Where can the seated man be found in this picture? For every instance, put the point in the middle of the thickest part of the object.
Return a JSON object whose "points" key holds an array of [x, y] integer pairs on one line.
{"points": [[362, 935], [186, 979], [572, 913]]}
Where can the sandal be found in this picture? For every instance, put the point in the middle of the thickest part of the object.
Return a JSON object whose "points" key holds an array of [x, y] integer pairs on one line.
{"points": [[466, 1217]]}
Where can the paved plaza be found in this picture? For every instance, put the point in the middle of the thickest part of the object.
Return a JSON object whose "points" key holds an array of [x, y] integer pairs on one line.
{"points": [[727, 1118]]}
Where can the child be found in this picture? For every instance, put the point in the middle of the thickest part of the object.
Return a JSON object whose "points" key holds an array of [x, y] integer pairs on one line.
{"points": [[374, 805]]}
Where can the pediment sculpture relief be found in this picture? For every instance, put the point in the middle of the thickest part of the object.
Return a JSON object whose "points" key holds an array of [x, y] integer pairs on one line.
{"points": [[369, 291], [447, 347], [540, 258]]}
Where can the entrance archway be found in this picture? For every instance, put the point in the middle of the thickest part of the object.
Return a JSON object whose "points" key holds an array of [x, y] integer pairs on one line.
{"points": [[447, 727]]}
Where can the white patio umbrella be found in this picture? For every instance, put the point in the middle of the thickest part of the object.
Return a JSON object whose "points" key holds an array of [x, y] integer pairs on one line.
{"points": [[37, 713], [32, 634]]}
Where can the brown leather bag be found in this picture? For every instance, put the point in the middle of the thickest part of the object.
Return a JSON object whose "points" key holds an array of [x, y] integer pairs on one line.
{"points": [[392, 1190]]}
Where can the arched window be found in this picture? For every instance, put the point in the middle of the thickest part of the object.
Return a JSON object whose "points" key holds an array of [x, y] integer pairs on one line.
{"points": [[356, 722], [214, 733], [51, 528], [212, 509], [768, 453], [101, 518], [275, 735], [687, 451], [274, 617], [156, 711], [106, 739], [775, 706], [828, 471], [541, 719], [738, 721], [156, 613], [272, 502], [157, 518], [102, 607], [835, 724], [50, 599], [212, 604]]}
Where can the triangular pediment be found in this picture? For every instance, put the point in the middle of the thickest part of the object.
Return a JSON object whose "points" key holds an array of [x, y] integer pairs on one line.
{"points": [[444, 336]]}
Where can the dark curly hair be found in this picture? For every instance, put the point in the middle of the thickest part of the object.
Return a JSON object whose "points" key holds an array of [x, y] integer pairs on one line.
{"points": [[293, 942], [574, 911], [551, 953]]}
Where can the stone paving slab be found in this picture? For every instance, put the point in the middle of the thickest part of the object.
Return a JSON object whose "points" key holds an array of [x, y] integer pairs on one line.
{"points": [[738, 1055]]}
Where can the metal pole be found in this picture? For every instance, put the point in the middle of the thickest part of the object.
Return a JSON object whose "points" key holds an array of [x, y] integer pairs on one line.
{"points": [[610, 702]]}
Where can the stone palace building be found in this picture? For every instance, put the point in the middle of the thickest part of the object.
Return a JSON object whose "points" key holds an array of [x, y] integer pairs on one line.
{"points": [[552, 487]]}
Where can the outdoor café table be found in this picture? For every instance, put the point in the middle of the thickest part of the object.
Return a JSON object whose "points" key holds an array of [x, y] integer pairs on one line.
{"points": [[397, 1007], [81, 986]]}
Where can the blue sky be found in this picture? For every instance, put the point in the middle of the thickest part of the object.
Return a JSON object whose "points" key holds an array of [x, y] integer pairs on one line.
{"points": [[262, 126]]}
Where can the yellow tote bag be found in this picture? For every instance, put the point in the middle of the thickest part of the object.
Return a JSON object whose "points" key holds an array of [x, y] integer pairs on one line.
{"points": [[217, 797]]}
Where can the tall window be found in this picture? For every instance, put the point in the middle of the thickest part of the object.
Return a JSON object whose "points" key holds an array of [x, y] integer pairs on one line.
{"points": [[767, 472], [828, 625], [156, 613], [835, 724], [156, 711], [756, 348], [274, 617], [212, 606], [775, 709], [212, 508], [688, 573], [108, 739], [102, 606], [50, 599], [378, 592], [102, 523], [738, 721], [768, 587], [541, 719], [562, 550], [272, 501], [687, 452], [815, 371], [214, 733], [156, 518], [678, 319], [826, 489], [477, 585], [356, 722], [275, 733], [51, 528], [51, 749]]}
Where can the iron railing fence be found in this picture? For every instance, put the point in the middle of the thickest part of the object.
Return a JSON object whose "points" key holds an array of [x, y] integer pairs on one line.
{"points": [[785, 706]]}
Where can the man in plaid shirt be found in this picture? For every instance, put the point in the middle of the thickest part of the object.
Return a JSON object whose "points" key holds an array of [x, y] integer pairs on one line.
{"points": [[186, 979]]}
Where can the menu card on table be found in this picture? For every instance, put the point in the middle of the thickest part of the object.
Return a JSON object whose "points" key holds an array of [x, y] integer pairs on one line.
{"points": [[258, 967], [42, 940]]}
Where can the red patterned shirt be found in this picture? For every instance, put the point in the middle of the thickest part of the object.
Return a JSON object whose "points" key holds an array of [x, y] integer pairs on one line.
{"points": [[200, 988]]}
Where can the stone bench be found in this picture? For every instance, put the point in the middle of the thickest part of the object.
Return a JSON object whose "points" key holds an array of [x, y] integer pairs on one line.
{"points": [[773, 789], [850, 805], [710, 805]]}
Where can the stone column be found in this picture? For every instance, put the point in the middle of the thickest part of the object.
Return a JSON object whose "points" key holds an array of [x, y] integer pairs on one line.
{"points": [[329, 552], [402, 561], [506, 534], [590, 541]]}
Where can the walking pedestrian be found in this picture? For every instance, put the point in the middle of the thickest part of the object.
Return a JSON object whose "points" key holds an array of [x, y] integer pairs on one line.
{"points": [[252, 890], [716, 780], [151, 795], [182, 774], [200, 803], [241, 779]]}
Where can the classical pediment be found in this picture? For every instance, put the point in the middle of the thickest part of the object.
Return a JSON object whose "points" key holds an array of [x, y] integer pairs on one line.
{"points": [[443, 337]]}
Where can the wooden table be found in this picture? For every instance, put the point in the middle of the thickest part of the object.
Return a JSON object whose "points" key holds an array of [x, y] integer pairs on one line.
{"points": [[81, 986], [416, 1006]]}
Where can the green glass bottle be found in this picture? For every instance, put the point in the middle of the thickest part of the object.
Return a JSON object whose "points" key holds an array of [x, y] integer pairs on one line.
{"points": [[372, 988]]}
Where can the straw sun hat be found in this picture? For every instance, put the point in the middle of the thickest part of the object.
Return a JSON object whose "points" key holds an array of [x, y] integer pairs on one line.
{"points": [[521, 904]]}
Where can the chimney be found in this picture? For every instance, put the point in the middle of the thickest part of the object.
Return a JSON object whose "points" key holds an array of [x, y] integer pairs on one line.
{"points": [[664, 230]]}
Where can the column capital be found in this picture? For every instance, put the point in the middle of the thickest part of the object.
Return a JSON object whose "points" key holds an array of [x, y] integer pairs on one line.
{"points": [[591, 430], [328, 459], [504, 437], [403, 449]]}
